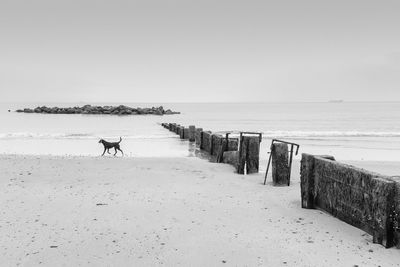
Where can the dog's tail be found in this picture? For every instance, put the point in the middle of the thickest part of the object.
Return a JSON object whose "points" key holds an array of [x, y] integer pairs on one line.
{"points": [[120, 139]]}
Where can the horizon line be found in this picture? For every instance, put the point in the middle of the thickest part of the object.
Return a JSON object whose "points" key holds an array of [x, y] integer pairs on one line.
{"points": [[199, 102]]}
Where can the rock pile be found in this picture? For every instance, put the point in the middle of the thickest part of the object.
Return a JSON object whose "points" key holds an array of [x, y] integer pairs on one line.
{"points": [[109, 110]]}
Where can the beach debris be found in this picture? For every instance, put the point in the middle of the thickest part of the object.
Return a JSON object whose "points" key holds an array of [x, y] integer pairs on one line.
{"points": [[106, 110], [101, 204]]}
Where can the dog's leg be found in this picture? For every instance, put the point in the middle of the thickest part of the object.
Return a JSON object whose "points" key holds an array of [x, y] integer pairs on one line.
{"points": [[108, 151], [103, 152], [121, 151], [115, 151]]}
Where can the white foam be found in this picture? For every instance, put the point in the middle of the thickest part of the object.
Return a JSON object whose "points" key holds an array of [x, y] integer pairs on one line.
{"points": [[310, 134], [75, 136]]}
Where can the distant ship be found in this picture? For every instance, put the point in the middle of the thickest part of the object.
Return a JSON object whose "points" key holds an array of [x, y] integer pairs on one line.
{"points": [[336, 101]]}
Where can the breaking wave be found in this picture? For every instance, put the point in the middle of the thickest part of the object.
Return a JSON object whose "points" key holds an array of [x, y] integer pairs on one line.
{"points": [[327, 134], [75, 136]]}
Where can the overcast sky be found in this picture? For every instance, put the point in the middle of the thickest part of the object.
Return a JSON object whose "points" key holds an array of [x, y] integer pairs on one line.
{"points": [[199, 51]]}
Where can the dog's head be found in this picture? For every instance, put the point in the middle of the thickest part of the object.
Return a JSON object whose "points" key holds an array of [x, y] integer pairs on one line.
{"points": [[101, 141]]}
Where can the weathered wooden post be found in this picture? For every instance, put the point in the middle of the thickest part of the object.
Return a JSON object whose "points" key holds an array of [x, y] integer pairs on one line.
{"points": [[211, 144], [242, 155], [216, 140], [233, 144], [185, 133], [253, 155], [203, 139], [219, 146], [249, 154], [198, 136], [307, 181], [177, 129], [307, 177], [280, 166], [222, 144], [396, 211], [206, 143], [192, 133], [182, 132]]}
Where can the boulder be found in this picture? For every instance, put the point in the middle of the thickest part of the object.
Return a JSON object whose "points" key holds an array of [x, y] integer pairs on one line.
{"points": [[158, 112]]}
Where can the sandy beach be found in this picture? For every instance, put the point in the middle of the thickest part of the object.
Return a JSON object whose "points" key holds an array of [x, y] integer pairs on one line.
{"points": [[171, 87], [92, 211]]}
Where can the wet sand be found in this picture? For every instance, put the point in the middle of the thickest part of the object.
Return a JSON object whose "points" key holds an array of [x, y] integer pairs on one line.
{"points": [[94, 211]]}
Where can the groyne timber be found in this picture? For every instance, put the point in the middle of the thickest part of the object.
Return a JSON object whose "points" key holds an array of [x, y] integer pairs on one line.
{"points": [[364, 199], [239, 149]]}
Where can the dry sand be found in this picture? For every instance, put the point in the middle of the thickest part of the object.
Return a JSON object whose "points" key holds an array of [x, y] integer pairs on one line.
{"points": [[180, 211]]}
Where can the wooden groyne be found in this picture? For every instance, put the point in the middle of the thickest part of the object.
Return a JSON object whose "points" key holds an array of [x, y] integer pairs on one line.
{"points": [[238, 149], [366, 200]]}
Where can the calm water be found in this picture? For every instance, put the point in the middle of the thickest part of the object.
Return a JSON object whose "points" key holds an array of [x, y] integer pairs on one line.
{"points": [[349, 131]]}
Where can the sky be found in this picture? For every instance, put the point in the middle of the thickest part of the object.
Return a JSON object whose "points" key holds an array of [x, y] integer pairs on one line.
{"points": [[199, 51]]}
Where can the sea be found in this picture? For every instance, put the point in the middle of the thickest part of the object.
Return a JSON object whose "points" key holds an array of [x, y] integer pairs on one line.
{"points": [[347, 130]]}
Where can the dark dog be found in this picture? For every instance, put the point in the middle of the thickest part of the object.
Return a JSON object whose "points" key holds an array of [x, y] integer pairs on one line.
{"points": [[108, 145]]}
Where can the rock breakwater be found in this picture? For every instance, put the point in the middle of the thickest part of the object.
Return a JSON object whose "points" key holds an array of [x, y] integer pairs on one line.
{"points": [[106, 110]]}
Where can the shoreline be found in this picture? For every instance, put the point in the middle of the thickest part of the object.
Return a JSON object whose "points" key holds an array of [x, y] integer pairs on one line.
{"points": [[171, 146], [384, 167], [152, 211]]}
